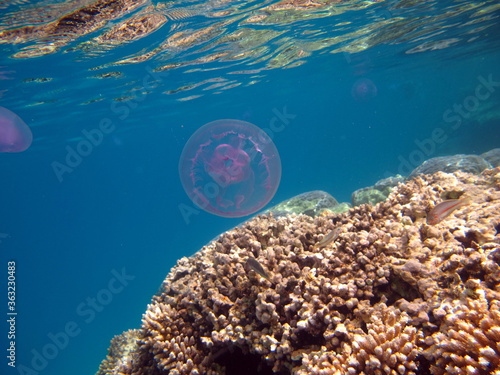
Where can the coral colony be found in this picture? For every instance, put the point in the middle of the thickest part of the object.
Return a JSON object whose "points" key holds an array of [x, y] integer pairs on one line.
{"points": [[375, 290]]}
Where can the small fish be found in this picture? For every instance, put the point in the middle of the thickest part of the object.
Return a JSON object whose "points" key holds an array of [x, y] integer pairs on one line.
{"points": [[444, 209], [329, 238], [257, 267]]}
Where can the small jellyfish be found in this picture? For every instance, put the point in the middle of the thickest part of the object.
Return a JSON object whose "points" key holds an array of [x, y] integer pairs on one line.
{"points": [[364, 90], [230, 168], [15, 135]]}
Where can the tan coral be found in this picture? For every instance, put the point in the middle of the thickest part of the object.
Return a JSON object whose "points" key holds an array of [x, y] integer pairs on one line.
{"points": [[469, 338], [390, 345], [370, 301], [119, 352]]}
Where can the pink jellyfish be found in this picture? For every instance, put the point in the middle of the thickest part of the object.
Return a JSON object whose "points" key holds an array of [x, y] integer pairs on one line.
{"points": [[364, 90], [15, 135]]}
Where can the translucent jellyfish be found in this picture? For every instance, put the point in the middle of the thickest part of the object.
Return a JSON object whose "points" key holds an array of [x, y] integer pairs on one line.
{"points": [[230, 168], [364, 90], [15, 135]]}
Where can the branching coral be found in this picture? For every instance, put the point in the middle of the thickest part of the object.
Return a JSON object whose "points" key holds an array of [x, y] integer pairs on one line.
{"points": [[389, 346], [469, 339], [389, 294], [119, 352]]}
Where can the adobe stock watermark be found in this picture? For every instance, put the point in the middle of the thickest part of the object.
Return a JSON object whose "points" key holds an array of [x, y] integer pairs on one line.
{"points": [[94, 137], [454, 115], [86, 311], [279, 122]]}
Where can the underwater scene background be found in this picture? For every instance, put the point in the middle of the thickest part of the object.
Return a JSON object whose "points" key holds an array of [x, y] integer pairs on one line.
{"points": [[350, 92]]}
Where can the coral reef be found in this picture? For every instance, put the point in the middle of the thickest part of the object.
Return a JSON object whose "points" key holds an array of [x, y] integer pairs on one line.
{"points": [[389, 295], [119, 352], [470, 337]]}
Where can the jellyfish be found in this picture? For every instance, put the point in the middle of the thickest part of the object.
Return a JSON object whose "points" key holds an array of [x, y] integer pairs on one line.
{"points": [[364, 90], [15, 135], [230, 168]]}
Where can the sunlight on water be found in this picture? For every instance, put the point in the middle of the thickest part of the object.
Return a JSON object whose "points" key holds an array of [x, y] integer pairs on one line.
{"points": [[240, 37]]}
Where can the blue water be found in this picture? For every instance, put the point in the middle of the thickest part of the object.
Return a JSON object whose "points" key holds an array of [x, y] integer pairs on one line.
{"points": [[117, 210]]}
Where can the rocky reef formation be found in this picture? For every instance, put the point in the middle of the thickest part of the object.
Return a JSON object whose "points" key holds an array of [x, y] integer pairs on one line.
{"points": [[449, 164], [465, 163], [311, 203], [388, 294], [376, 193], [492, 157]]}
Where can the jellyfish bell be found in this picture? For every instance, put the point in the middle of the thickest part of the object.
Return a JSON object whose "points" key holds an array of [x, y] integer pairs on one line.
{"points": [[364, 90], [230, 168], [15, 135]]}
